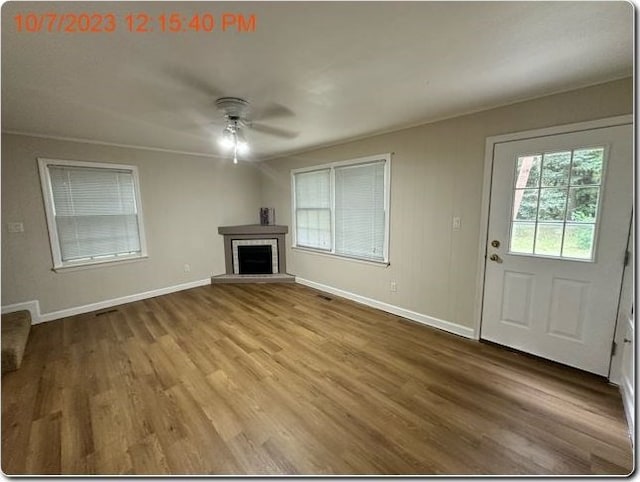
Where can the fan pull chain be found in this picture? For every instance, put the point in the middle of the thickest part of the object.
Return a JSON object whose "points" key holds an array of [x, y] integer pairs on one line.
{"points": [[235, 149]]}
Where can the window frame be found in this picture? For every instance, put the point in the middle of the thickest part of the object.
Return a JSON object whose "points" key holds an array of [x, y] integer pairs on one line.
{"points": [[47, 194], [596, 224], [386, 158]]}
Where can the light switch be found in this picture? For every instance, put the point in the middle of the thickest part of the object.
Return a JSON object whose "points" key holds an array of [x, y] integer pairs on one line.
{"points": [[456, 222], [15, 227]]}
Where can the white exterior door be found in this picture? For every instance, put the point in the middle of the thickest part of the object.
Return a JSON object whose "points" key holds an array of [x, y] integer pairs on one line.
{"points": [[559, 219]]}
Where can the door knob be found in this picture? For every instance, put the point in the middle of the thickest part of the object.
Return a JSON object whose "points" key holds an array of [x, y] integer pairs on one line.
{"points": [[496, 258]]}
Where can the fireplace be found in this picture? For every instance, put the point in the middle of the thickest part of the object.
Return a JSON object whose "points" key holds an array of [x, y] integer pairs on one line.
{"points": [[254, 254]]}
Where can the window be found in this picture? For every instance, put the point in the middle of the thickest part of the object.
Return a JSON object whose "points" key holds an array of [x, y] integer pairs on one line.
{"points": [[93, 212], [343, 208], [313, 209], [555, 203]]}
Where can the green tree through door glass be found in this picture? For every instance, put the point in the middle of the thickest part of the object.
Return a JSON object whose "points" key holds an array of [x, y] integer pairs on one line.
{"points": [[555, 169], [586, 168], [555, 203]]}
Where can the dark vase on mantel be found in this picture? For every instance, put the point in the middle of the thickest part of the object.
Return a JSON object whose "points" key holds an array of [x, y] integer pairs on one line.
{"points": [[267, 216]]}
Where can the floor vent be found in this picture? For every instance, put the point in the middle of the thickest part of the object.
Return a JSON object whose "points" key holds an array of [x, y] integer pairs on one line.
{"points": [[106, 312], [324, 297]]}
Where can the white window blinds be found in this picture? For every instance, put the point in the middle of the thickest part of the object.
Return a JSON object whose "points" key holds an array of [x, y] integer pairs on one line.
{"points": [[95, 212], [343, 208], [360, 213], [313, 209]]}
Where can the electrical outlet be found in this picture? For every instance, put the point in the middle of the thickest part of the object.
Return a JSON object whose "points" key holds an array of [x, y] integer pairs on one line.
{"points": [[456, 223], [187, 268], [393, 287], [15, 227]]}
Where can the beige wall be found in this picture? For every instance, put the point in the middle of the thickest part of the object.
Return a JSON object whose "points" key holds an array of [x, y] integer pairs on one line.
{"points": [[184, 198], [436, 174]]}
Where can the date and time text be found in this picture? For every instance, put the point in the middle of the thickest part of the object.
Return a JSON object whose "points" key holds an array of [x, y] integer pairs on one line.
{"points": [[135, 22]]}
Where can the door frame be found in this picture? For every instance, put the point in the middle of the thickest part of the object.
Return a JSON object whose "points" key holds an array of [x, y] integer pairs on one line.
{"points": [[486, 191]]}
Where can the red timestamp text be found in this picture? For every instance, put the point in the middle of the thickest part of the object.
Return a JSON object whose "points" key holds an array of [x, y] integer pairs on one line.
{"points": [[138, 22], [66, 22], [200, 22]]}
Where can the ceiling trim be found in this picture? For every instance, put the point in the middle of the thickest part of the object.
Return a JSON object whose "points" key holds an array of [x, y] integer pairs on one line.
{"points": [[112, 144], [440, 119], [316, 147]]}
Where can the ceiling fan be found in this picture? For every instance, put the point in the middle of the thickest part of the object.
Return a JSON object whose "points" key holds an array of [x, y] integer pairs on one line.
{"points": [[237, 114], [204, 106]]}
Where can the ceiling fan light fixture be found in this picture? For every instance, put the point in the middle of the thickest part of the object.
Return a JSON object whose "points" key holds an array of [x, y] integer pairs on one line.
{"points": [[237, 116], [227, 141], [243, 147], [241, 142]]}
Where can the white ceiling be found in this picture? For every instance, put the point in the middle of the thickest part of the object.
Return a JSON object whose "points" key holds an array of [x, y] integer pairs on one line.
{"points": [[332, 70]]}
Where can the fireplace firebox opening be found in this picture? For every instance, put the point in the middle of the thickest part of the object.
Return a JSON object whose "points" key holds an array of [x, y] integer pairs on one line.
{"points": [[255, 259]]}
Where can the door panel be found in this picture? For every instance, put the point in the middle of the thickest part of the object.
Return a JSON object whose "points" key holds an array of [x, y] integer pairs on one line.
{"points": [[516, 298], [566, 316], [559, 217]]}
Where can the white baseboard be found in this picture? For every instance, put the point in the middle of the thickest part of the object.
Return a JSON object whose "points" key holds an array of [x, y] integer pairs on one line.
{"points": [[37, 317], [33, 307], [626, 390], [396, 310]]}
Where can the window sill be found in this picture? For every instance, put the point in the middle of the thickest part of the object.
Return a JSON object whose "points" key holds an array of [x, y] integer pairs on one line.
{"points": [[381, 264], [97, 264]]}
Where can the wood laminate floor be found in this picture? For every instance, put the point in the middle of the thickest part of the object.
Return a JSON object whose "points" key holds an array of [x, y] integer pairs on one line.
{"points": [[276, 379]]}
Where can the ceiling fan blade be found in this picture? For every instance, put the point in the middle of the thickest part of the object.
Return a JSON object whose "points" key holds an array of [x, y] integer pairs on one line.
{"points": [[272, 111], [192, 82], [273, 131], [190, 118]]}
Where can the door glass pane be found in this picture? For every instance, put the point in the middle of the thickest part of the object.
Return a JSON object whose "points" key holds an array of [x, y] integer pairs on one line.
{"points": [[552, 204], [522, 235], [555, 169], [549, 239], [528, 171], [583, 204], [578, 241], [555, 201], [587, 166], [525, 204]]}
